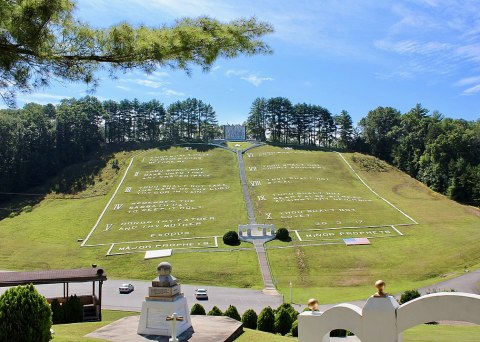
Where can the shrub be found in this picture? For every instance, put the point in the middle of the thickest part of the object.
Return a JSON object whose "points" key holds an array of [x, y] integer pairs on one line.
{"points": [[27, 208], [215, 312], [231, 238], [57, 312], [249, 319], [73, 310], [25, 315], [13, 214], [408, 296], [283, 321], [289, 308], [266, 320], [294, 330], [115, 165], [197, 309], [430, 291], [232, 312], [282, 234]]}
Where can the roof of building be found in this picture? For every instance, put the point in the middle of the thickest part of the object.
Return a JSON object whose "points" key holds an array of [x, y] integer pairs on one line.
{"points": [[78, 275]]}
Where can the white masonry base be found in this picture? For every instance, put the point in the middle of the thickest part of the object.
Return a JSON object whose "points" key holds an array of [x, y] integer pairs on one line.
{"points": [[154, 314], [383, 320]]}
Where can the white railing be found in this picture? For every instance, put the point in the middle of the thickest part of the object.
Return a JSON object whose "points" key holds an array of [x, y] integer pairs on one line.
{"points": [[382, 319]]}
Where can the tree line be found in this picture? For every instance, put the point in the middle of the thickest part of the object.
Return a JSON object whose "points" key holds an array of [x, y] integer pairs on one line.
{"points": [[306, 124], [441, 152], [37, 141]]}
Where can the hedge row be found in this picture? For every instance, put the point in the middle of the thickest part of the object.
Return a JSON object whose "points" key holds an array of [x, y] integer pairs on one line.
{"points": [[283, 320]]}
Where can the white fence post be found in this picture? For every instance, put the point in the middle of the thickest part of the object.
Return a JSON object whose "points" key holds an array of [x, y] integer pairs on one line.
{"points": [[383, 320]]}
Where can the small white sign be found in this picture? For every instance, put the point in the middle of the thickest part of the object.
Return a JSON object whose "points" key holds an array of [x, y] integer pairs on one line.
{"points": [[160, 253]]}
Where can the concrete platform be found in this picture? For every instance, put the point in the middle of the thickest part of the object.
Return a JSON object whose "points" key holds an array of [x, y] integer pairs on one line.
{"points": [[205, 329]]}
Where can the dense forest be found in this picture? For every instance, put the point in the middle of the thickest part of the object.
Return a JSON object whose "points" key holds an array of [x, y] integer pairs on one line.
{"points": [[37, 141], [441, 152]]}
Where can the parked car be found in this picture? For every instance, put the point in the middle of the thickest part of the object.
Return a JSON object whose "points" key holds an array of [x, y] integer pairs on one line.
{"points": [[201, 294], [126, 288]]}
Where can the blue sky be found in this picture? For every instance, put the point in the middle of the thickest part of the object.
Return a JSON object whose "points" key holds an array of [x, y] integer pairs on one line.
{"points": [[340, 54]]}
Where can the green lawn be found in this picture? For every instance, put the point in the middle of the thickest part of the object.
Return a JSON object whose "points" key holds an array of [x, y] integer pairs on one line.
{"points": [[442, 244], [300, 190], [422, 333], [75, 332], [239, 145], [174, 194], [442, 333], [47, 237], [250, 335]]}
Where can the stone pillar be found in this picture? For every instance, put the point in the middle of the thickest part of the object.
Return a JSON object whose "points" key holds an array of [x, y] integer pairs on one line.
{"points": [[380, 319], [164, 299]]}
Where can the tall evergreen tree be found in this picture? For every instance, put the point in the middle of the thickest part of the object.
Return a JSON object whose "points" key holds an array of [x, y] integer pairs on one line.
{"points": [[414, 128], [300, 122], [257, 119], [345, 129], [279, 112]]}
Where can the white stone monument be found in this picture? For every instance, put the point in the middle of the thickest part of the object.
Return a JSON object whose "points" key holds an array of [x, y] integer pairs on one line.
{"points": [[382, 319], [164, 299]]}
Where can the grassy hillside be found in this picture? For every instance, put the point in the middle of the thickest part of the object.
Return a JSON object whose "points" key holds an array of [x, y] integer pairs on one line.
{"points": [[304, 190], [180, 195], [309, 192], [50, 235], [441, 244]]}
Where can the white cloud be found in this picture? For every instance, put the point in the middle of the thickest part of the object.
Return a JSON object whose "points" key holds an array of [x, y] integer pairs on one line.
{"points": [[148, 83], [250, 77], [399, 74], [41, 98], [154, 80], [432, 3], [472, 90], [123, 88], [412, 46], [232, 72], [470, 52], [167, 92], [160, 74], [468, 80], [438, 38], [171, 92], [255, 80], [192, 8]]}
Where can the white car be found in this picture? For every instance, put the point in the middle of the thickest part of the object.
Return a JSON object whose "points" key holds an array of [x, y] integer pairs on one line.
{"points": [[201, 294], [126, 288]]}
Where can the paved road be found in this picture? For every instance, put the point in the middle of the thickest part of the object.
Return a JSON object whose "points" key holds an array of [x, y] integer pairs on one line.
{"points": [[464, 283], [222, 297], [243, 299]]}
